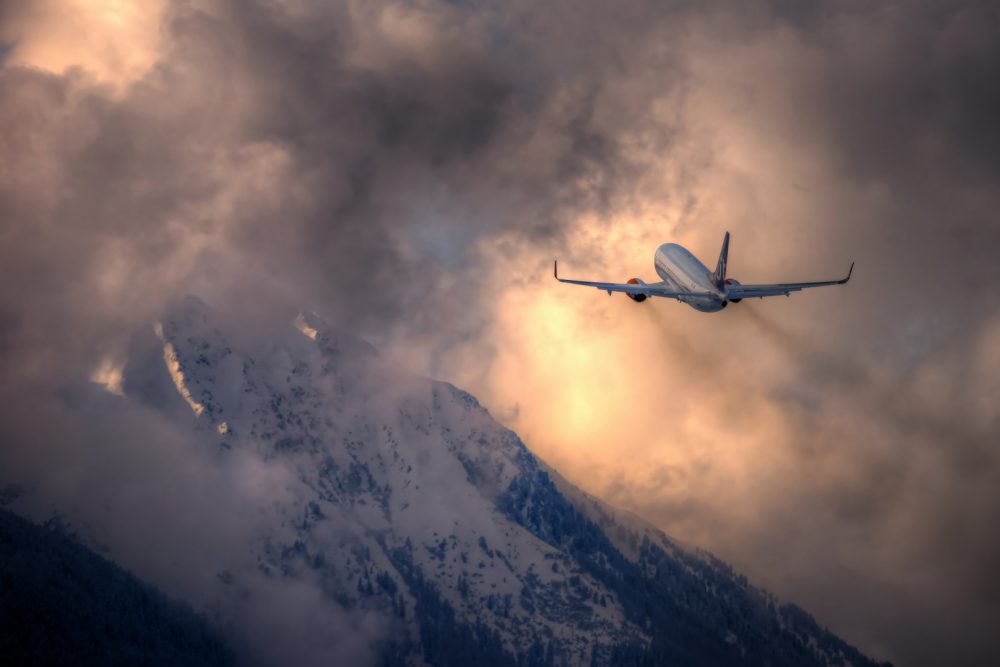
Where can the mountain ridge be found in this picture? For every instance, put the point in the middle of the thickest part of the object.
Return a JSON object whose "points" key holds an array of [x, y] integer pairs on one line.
{"points": [[405, 501]]}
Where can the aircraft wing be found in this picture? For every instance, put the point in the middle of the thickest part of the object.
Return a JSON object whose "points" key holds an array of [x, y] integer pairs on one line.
{"points": [[780, 289], [654, 289]]}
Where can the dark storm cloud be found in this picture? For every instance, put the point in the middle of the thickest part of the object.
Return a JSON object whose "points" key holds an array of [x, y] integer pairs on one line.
{"points": [[357, 157], [268, 159]]}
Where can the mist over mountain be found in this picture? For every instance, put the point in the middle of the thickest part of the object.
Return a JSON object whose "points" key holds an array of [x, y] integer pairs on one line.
{"points": [[325, 506]]}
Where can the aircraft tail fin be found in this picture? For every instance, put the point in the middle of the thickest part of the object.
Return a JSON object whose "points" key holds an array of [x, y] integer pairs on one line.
{"points": [[719, 277]]}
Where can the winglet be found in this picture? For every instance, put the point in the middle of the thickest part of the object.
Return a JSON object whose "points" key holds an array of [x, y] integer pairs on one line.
{"points": [[555, 268], [849, 272]]}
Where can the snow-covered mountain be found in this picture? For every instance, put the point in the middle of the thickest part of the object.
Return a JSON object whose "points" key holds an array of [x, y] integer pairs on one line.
{"points": [[407, 502]]}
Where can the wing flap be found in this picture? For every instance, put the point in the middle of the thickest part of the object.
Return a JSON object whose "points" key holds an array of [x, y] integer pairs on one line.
{"points": [[780, 289], [740, 293], [655, 289]]}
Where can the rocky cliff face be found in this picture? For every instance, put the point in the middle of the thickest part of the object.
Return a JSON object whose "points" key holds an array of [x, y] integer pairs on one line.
{"points": [[407, 502]]}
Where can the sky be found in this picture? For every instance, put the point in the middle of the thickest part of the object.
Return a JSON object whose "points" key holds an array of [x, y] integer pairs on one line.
{"points": [[409, 170]]}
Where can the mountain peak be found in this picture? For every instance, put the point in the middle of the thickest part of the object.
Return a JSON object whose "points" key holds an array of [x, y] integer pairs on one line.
{"points": [[408, 501], [189, 309], [333, 342]]}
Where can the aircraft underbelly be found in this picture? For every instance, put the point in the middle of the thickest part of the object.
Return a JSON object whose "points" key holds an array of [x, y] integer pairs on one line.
{"points": [[684, 273]]}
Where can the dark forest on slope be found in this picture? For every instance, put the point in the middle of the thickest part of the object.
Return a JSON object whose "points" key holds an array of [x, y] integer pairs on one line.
{"points": [[63, 604]]}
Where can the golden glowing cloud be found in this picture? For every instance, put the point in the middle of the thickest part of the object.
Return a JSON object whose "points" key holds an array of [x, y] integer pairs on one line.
{"points": [[109, 374], [114, 41], [654, 405]]}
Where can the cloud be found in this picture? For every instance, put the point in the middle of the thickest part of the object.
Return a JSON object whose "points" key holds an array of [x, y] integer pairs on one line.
{"points": [[115, 41], [411, 169]]}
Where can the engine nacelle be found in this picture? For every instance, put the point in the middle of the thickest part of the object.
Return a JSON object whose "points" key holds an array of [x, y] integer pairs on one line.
{"points": [[638, 298], [731, 281]]}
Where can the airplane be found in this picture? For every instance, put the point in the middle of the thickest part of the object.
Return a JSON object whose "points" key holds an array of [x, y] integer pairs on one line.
{"points": [[689, 281]]}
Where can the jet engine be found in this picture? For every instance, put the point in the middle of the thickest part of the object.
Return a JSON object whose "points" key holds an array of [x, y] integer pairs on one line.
{"points": [[638, 298], [731, 281]]}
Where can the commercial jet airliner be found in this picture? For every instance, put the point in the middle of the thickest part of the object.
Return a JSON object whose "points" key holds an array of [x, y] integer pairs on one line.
{"points": [[689, 281]]}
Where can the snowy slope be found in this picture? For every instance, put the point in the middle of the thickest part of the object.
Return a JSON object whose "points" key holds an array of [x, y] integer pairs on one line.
{"points": [[409, 501]]}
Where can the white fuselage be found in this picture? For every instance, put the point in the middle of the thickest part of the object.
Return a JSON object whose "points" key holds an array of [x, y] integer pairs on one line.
{"points": [[683, 272]]}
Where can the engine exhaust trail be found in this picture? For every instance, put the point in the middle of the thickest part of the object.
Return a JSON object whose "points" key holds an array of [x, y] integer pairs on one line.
{"points": [[895, 402]]}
